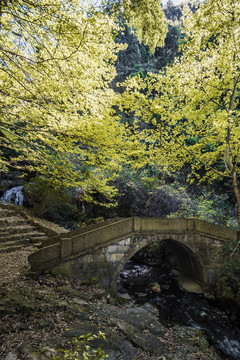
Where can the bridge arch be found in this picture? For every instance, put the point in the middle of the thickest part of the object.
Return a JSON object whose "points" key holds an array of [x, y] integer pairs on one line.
{"points": [[186, 260]]}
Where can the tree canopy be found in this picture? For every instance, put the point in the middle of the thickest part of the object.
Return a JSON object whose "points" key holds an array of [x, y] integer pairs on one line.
{"points": [[191, 109], [57, 102], [57, 64], [57, 61]]}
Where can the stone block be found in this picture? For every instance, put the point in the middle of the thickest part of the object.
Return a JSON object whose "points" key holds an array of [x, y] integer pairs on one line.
{"points": [[165, 225], [41, 258], [87, 258], [127, 241], [114, 257], [137, 224], [112, 249], [66, 247], [99, 257]]}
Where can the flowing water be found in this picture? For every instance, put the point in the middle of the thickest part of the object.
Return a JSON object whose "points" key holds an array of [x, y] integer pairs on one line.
{"points": [[159, 286], [13, 195]]}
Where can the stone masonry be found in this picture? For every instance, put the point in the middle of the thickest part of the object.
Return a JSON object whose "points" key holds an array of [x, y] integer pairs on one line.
{"points": [[101, 251]]}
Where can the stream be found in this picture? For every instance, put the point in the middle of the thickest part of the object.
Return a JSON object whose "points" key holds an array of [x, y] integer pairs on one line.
{"points": [[159, 286]]}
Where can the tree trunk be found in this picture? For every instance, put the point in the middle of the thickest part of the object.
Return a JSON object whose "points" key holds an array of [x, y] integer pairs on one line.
{"points": [[237, 194]]}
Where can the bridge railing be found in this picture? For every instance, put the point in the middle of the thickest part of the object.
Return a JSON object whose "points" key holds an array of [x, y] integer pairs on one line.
{"points": [[80, 241], [96, 237], [181, 225]]}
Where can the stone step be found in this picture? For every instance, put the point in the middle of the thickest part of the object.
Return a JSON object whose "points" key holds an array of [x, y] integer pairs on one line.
{"points": [[7, 237], [18, 247], [14, 216], [21, 229], [38, 239], [17, 230], [10, 249], [10, 243], [31, 236], [4, 236], [3, 231], [6, 212], [7, 215], [3, 222], [12, 221], [10, 246], [15, 221]]}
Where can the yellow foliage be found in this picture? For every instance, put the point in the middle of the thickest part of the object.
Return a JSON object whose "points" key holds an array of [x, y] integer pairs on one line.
{"points": [[57, 62], [191, 110], [147, 17]]}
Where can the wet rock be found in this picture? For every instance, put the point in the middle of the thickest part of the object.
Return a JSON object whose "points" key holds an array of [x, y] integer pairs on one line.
{"points": [[26, 352], [125, 296], [142, 317], [174, 273], [68, 290], [81, 328], [156, 287], [191, 336], [148, 343], [165, 287], [121, 289], [13, 300], [11, 356], [80, 301], [116, 345], [150, 308], [176, 305], [190, 285], [228, 298]]}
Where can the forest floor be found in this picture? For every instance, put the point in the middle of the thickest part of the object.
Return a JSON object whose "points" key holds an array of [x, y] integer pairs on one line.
{"points": [[41, 313], [14, 264]]}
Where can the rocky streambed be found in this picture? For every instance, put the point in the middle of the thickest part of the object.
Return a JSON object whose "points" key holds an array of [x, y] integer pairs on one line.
{"points": [[159, 286], [41, 315]]}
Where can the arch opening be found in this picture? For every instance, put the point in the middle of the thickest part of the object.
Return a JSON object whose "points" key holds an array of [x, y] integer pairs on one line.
{"points": [[159, 256]]}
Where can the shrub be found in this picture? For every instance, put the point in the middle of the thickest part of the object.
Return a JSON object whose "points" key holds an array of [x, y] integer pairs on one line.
{"points": [[231, 265], [81, 350], [52, 202]]}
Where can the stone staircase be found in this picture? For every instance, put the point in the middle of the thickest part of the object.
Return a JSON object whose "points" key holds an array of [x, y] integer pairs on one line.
{"points": [[18, 229]]}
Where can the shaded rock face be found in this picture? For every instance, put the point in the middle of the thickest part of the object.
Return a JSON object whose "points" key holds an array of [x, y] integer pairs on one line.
{"points": [[41, 315], [228, 297]]}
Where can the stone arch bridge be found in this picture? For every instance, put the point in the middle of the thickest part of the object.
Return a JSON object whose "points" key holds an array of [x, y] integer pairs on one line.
{"points": [[101, 251]]}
